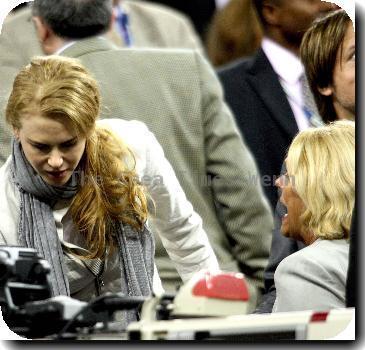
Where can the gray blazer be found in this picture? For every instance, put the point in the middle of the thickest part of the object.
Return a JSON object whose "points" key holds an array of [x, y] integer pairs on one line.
{"points": [[313, 278]]}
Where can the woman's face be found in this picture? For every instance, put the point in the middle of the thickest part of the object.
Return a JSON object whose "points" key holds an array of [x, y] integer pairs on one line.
{"points": [[291, 225], [52, 148]]}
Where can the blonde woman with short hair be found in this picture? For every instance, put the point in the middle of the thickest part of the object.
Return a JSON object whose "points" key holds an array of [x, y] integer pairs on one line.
{"points": [[319, 193]]}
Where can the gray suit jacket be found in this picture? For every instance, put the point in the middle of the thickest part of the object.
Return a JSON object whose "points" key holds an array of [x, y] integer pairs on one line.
{"points": [[178, 96], [313, 278]]}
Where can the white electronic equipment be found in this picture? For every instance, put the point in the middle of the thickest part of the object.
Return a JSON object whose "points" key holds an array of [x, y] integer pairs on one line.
{"points": [[301, 325]]}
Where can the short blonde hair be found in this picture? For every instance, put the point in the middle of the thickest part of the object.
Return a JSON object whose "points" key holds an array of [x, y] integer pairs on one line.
{"points": [[321, 165]]}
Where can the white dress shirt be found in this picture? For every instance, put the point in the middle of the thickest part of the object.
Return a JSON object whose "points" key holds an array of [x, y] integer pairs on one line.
{"points": [[289, 70], [219, 4]]}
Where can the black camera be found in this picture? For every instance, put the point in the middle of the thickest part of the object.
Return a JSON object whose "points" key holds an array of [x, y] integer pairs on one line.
{"points": [[30, 310], [24, 278]]}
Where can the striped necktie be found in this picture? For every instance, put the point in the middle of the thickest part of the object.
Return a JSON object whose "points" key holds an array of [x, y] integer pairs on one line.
{"points": [[309, 106]]}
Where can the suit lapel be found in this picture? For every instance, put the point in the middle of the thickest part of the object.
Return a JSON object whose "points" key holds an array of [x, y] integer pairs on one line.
{"points": [[265, 82]]}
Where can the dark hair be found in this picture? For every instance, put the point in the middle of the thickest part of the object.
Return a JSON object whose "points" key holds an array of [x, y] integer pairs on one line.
{"points": [[318, 52], [75, 19], [234, 32]]}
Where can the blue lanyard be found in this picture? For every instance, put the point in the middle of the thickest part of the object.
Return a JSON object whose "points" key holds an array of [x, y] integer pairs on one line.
{"points": [[123, 26]]}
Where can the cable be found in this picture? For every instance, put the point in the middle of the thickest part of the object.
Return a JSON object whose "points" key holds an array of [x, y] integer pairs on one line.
{"points": [[74, 318], [106, 302]]}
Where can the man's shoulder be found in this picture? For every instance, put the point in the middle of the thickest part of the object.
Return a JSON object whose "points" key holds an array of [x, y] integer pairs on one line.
{"points": [[23, 15], [237, 78], [157, 12], [18, 38], [169, 53], [240, 66], [100, 47], [150, 61]]}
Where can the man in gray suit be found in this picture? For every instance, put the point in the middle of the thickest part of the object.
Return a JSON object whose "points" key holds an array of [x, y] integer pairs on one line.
{"points": [[178, 96], [137, 24]]}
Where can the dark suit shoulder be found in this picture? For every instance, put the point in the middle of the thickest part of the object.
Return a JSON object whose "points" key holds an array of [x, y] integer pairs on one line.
{"points": [[256, 64], [240, 66]]}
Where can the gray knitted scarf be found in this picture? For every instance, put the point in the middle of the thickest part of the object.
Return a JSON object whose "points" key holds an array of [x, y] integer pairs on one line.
{"points": [[37, 229]]}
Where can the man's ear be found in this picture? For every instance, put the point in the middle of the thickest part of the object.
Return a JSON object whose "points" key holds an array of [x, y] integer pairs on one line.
{"points": [[326, 91], [45, 36], [270, 12], [41, 28]]}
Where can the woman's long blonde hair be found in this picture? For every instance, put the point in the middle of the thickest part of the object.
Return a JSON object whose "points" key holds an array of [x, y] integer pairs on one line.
{"points": [[321, 165], [59, 87]]}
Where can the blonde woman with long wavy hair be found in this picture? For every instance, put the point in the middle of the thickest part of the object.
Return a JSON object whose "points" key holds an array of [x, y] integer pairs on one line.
{"points": [[319, 194], [72, 189]]}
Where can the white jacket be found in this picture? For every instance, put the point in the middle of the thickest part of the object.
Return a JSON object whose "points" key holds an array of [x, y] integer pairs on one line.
{"points": [[175, 220]]}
